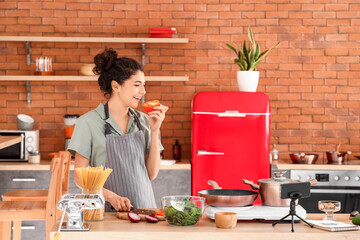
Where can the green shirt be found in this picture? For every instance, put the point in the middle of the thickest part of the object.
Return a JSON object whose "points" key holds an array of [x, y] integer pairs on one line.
{"points": [[88, 138]]}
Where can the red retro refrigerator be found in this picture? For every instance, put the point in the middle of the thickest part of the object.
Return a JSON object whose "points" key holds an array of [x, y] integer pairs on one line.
{"points": [[230, 139]]}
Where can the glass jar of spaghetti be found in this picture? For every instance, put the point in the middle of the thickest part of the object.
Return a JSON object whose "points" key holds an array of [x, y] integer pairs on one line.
{"points": [[92, 180], [94, 214]]}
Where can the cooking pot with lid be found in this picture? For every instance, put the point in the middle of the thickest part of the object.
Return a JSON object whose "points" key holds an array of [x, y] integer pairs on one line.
{"points": [[270, 189]]}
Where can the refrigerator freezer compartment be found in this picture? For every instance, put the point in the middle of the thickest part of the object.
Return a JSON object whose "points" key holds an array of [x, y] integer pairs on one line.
{"points": [[231, 114]]}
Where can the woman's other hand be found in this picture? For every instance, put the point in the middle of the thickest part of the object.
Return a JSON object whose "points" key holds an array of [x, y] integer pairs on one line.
{"points": [[156, 117], [121, 204]]}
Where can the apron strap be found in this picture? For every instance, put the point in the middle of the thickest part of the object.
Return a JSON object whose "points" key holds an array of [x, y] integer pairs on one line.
{"points": [[107, 125], [136, 119]]}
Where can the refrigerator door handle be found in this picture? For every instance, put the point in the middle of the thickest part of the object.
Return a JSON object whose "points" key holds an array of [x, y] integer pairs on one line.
{"points": [[204, 152], [231, 114]]}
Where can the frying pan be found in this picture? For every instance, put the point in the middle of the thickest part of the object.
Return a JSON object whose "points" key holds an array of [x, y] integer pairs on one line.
{"points": [[219, 197]]}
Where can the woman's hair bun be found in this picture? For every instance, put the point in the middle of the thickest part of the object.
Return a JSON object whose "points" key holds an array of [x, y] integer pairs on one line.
{"points": [[110, 68], [104, 61]]}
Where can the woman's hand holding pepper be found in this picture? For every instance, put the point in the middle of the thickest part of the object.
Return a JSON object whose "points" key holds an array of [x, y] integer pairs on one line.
{"points": [[157, 116]]}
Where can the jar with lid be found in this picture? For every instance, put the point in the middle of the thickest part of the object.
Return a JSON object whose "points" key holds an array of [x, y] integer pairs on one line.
{"points": [[70, 121], [275, 153], [34, 157], [94, 214]]}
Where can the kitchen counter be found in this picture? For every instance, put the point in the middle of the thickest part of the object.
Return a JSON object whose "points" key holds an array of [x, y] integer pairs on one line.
{"points": [[185, 164], [113, 228], [319, 165], [45, 165]]}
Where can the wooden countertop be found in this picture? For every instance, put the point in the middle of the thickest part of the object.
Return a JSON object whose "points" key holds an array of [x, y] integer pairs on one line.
{"points": [[45, 165], [113, 228], [319, 165], [185, 164]]}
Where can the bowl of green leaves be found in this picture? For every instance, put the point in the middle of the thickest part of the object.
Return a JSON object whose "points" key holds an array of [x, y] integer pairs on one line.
{"points": [[182, 210]]}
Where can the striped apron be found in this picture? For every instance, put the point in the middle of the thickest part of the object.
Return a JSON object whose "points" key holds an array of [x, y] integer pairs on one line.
{"points": [[126, 157]]}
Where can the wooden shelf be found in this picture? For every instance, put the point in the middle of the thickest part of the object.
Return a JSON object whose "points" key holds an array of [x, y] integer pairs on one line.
{"points": [[28, 39], [84, 78], [92, 39]]}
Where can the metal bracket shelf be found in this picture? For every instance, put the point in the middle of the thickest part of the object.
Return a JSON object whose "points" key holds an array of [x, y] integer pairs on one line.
{"points": [[28, 39]]}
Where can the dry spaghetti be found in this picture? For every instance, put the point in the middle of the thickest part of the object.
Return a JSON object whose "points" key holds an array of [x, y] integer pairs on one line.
{"points": [[93, 180]]}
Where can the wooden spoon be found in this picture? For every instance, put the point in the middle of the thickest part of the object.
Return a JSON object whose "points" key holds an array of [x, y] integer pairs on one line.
{"points": [[338, 148]]}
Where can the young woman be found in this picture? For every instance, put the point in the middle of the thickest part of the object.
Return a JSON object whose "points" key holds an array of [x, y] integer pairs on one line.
{"points": [[115, 135]]}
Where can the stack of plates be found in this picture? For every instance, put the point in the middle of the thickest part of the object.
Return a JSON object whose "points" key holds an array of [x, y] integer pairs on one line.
{"points": [[167, 162]]}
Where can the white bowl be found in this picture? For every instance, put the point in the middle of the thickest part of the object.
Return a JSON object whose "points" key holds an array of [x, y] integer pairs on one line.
{"points": [[25, 122], [86, 69]]}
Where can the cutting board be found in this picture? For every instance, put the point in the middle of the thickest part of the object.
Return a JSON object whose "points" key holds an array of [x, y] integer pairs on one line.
{"points": [[124, 216], [6, 141]]}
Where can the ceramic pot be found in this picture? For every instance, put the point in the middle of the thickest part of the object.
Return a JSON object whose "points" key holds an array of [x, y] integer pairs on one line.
{"points": [[336, 157], [247, 80], [25, 122]]}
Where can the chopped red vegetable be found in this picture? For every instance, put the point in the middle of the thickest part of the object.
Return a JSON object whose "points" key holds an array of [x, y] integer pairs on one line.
{"points": [[160, 212], [134, 217], [152, 218]]}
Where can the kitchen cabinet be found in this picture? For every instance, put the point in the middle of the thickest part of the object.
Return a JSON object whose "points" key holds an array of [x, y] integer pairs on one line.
{"points": [[31, 180], [168, 182], [142, 41], [171, 182], [175, 181]]}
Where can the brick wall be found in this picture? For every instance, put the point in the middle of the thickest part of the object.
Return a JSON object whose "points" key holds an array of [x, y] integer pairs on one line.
{"points": [[312, 79]]}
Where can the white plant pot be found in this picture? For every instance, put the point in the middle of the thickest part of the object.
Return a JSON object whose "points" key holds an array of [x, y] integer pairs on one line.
{"points": [[247, 80]]}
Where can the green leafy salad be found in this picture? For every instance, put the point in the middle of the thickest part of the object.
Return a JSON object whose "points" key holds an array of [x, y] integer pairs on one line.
{"points": [[182, 213]]}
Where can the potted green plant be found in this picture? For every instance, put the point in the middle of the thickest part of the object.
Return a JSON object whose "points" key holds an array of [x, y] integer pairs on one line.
{"points": [[247, 58]]}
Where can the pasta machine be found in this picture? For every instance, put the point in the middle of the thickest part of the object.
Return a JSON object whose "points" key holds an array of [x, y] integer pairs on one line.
{"points": [[74, 205]]}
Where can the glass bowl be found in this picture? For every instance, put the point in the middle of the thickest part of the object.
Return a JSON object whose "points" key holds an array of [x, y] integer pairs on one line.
{"points": [[182, 210], [329, 207]]}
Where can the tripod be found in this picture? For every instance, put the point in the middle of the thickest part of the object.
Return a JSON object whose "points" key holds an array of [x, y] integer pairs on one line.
{"points": [[292, 212]]}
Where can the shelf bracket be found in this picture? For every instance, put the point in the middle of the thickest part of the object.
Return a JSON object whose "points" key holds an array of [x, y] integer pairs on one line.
{"points": [[143, 64], [143, 54], [28, 59], [28, 62], [28, 88]]}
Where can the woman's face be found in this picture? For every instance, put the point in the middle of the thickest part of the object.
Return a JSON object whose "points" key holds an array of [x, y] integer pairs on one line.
{"points": [[132, 90]]}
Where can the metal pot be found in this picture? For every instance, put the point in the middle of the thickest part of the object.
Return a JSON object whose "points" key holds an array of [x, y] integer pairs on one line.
{"points": [[337, 157], [304, 158], [219, 197], [269, 189]]}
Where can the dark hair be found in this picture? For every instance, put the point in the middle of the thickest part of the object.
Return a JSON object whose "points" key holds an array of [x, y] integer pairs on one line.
{"points": [[110, 67]]}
